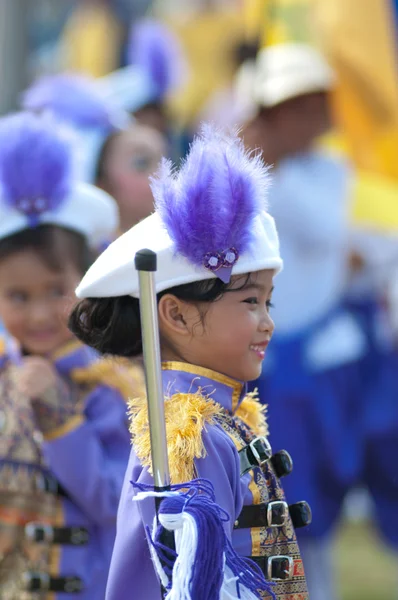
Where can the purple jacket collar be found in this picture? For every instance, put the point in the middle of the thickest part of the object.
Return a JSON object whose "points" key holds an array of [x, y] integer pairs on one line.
{"points": [[186, 378]]}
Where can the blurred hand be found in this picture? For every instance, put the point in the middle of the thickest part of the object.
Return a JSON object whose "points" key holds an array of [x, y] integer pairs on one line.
{"points": [[36, 377], [52, 400]]}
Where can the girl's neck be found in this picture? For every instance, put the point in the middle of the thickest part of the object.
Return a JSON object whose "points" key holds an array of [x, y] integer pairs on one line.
{"points": [[171, 355]]}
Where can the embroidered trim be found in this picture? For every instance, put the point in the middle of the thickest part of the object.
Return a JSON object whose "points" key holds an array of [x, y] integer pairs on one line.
{"points": [[186, 417], [70, 425], [237, 386]]}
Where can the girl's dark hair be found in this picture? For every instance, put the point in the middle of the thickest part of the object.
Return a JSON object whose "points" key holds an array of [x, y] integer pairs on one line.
{"points": [[113, 325], [100, 173], [53, 244]]}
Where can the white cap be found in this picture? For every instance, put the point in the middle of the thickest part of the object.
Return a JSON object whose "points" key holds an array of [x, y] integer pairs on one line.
{"points": [[114, 274], [86, 209], [285, 71], [38, 186], [130, 87]]}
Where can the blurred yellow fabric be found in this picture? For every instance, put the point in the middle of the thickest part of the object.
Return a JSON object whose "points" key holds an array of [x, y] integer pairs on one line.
{"points": [[91, 40], [209, 39], [359, 38]]}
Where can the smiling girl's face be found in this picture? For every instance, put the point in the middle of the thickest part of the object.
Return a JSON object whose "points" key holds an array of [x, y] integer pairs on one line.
{"points": [[229, 335], [39, 271]]}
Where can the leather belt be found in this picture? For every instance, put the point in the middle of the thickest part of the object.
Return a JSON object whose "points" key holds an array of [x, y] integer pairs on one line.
{"points": [[275, 568], [43, 582], [71, 536], [274, 514]]}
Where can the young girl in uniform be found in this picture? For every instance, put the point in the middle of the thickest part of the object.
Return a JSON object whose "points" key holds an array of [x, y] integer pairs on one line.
{"points": [[217, 252], [64, 440]]}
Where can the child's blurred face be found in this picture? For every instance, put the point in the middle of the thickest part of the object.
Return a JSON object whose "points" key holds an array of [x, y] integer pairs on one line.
{"points": [[233, 336], [295, 124], [133, 156], [35, 301]]}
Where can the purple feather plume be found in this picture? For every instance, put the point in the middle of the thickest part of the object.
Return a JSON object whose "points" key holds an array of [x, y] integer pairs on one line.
{"points": [[73, 98], [35, 165], [208, 207], [154, 48]]}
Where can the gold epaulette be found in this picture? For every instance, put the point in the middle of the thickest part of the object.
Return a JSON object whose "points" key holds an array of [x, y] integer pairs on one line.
{"points": [[186, 417], [2, 346], [253, 413], [125, 377]]}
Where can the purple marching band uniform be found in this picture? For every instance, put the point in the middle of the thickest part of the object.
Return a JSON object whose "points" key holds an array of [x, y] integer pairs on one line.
{"points": [[230, 421], [215, 432], [59, 491]]}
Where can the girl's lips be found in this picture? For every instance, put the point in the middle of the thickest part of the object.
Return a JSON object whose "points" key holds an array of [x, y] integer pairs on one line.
{"points": [[259, 349]]}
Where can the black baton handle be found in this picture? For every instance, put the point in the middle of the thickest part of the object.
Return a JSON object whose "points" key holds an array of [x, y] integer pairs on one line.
{"points": [[145, 260]]}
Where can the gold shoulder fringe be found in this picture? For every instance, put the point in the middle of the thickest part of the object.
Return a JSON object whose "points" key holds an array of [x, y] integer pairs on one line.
{"points": [[186, 416], [253, 413], [2, 346], [127, 378]]}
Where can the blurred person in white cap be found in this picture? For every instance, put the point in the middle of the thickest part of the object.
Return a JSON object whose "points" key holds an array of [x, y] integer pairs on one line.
{"points": [[64, 437], [218, 253], [112, 150], [312, 381]]}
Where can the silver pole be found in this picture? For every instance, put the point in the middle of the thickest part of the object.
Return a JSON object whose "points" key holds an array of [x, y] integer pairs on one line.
{"points": [[13, 51], [145, 263]]}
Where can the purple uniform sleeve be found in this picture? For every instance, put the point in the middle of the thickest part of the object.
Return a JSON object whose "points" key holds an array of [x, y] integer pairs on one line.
{"points": [[90, 460]]}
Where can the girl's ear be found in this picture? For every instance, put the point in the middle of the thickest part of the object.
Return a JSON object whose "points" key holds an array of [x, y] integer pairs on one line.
{"points": [[173, 315]]}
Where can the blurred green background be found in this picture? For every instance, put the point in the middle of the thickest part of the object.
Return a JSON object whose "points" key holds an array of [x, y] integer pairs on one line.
{"points": [[366, 570]]}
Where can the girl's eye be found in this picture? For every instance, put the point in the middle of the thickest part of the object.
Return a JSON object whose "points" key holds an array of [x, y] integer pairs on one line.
{"points": [[269, 304], [141, 164], [251, 300], [56, 292], [18, 297]]}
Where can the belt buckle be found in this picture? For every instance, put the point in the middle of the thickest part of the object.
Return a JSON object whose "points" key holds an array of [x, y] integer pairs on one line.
{"points": [[287, 568], [265, 452], [36, 582], [33, 527], [277, 513]]}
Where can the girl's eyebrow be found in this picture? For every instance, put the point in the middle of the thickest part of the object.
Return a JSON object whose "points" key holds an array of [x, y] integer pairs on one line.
{"points": [[252, 286]]}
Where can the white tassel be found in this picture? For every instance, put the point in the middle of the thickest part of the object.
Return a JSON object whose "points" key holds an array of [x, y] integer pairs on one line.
{"points": [[183, 517], [186, 539]]}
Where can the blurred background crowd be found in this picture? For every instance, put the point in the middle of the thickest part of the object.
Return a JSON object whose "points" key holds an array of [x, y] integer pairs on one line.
{"points": [[313, 84]]}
